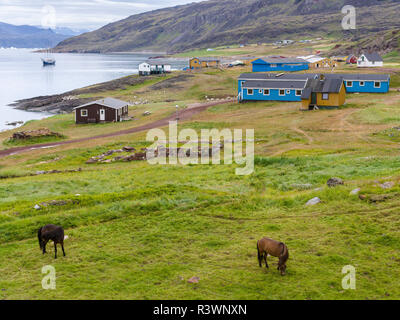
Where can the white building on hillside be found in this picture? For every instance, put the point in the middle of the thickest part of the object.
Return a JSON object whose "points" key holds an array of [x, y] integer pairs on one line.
{"points": [[370, 60]]}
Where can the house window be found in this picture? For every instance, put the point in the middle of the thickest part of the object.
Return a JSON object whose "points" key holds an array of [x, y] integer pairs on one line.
{"points": [[281, 92], [298, 93], [273, 65], [349, 84], [260, 91], [250, 92], [266, 92], [287, 91], [377, 84], [362, 83], [84, 113], [325, 96]]}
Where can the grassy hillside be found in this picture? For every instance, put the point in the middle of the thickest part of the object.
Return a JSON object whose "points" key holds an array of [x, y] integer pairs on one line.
{"points": [[138, 231], [228, 22]]}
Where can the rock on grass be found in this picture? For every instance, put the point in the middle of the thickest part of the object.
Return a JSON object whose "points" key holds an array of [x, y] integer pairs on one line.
{"points": [[333, 182], [313, 201]]}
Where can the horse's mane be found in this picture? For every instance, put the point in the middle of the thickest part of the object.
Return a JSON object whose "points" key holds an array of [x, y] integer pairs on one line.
{"points": [[285, 252]]}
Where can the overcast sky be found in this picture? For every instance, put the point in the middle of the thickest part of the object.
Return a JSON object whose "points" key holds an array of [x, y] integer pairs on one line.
{"points": [[78, 14]]}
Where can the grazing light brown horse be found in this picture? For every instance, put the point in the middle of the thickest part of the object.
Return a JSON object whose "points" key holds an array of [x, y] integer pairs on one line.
{"points": [[267, 246], [51, 232]]}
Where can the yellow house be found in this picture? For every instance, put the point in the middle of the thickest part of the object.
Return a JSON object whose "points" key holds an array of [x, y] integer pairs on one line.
{"points": [[247, 60], [323, 93], [316, 62], [194, 63], [198, 63]]}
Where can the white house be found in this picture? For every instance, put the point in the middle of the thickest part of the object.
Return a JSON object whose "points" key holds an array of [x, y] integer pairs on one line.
{"points": [[370, 60], [144, 69]]}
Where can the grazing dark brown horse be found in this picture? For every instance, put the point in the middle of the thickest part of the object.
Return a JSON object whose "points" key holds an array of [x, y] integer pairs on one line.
{"points": [[51, 232], [267, 246]]}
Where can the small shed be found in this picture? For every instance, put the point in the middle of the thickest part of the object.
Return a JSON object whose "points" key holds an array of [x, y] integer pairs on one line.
{"points": [[100, 111], [322, 92], [144, 69], [351, 59]]}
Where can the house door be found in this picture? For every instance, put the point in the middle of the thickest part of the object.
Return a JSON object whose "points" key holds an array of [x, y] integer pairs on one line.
{"points": [[313, 98], [102, 115]]}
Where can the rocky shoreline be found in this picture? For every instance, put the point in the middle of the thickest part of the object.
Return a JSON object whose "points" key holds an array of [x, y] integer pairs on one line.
{"points": [[66, 102]]}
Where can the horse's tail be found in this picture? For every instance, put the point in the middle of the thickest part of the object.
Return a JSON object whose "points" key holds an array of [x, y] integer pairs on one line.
{"points": [[40, 237], [285, 252]]}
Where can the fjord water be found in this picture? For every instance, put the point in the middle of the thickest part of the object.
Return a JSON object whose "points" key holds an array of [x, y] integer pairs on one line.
{"points": [[22, 76]]}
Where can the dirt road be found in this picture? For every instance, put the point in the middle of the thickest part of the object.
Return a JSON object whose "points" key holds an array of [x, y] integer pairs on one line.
{"points": [[186, 114]]}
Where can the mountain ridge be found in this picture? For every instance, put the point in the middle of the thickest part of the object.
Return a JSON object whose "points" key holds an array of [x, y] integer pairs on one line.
{"points": [[26, 36], [226, 22]]}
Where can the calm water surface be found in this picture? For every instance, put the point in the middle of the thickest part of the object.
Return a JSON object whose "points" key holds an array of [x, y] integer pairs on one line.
{"points": [[22, 75]]}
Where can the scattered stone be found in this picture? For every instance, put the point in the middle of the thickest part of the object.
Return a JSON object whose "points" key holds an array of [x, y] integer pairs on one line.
{"points": [[147, 113], [375, 198], [387, 185], [91, 161], [42, 132], [355, 192], [333, 182], [129, 149], [313, 201], [194, 280], [306, 186], [37, 207]]}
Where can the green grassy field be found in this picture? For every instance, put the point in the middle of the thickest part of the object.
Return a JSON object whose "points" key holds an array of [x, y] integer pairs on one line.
{"points": [[140, 231]]}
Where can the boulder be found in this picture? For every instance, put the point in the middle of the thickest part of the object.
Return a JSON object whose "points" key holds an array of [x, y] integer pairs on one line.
{"points": [[333, 182], [194, 280], [37, 207], [313, 201], [355, 192], [387, 185], [305, 186]]}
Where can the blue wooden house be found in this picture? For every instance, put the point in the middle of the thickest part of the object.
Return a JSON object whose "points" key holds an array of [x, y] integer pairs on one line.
{"points": [[366, 83], [289, 87], [267, 87], [268, 64]]}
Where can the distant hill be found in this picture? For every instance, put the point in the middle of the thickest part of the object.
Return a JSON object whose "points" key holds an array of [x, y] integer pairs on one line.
{"points": [[28, 37], [225, 22]]}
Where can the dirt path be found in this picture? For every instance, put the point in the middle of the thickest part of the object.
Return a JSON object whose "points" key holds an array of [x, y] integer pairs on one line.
{"points": [[186, 114]]}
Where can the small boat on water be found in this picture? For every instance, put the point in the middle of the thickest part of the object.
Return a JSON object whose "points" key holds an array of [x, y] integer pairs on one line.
{"points": [[48, 61]]}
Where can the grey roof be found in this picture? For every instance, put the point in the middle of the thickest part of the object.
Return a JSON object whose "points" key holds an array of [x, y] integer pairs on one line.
{"points": [[361, 76], [107, 102], [332, 85], [264, 84], [274, 76], [373, 56], [154, 62], [208, 59], [282, 60], [305, 76]]}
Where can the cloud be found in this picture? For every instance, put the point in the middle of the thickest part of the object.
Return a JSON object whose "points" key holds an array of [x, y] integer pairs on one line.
{"points": [[78, 14]]}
